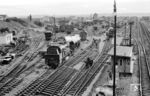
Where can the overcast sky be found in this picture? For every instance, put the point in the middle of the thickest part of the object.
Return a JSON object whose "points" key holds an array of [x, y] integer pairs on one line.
{"points": [[67, 7]]}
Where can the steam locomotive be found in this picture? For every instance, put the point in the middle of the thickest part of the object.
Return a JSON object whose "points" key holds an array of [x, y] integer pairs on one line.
{"points": [[57, 53]]}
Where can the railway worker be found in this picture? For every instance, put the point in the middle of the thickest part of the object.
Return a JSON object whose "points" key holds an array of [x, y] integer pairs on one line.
{"points": [[88, 62]]}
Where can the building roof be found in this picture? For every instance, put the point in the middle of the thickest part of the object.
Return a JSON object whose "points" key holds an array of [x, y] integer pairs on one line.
{"points": [[122, 51]]}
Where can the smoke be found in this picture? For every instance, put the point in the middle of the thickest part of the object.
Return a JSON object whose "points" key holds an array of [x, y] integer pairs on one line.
{"points": [[74, 38]]}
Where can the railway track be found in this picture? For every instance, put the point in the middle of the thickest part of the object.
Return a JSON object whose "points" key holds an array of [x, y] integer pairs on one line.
{"points": [[15, 71], [82, 54], [143, 62], [61, 81], [36, 42], [144, 72], [56, 88], [145, 32], [9, 86], [80, 83], [20, 48], [80, 58], [10, 79], [40, 84], [58, 82]]}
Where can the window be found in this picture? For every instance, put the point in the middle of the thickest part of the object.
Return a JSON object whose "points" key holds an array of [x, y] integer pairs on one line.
{"points": [[121, 62]]}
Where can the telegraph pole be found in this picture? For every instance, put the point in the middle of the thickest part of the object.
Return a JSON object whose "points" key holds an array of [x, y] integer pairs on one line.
{"points": [[54, 21], [131, 23], [114, 63], [54, 27], [125, 29], [130, 33]]}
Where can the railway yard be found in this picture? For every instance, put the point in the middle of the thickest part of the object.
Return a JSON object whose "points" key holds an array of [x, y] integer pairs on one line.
{"points": [[76, 60]]}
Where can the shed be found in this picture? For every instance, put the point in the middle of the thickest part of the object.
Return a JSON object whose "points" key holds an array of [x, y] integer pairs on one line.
{"points": [[123, 59]]}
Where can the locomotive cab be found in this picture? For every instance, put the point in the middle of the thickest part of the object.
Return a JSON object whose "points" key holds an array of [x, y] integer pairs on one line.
{"points": [[55, 56]]}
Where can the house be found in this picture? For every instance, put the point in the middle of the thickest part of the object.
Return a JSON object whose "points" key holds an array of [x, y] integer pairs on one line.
{"points": [[6, 38], [124, 61]]}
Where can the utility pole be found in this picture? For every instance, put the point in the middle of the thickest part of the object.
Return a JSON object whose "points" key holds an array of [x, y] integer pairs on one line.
{"points": [[125, 29], [54, 21], [114, 63], [130, 23], [54, 27]]}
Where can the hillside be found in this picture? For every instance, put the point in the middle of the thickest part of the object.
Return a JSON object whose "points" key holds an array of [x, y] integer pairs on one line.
{"points": [[16, 24]]}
